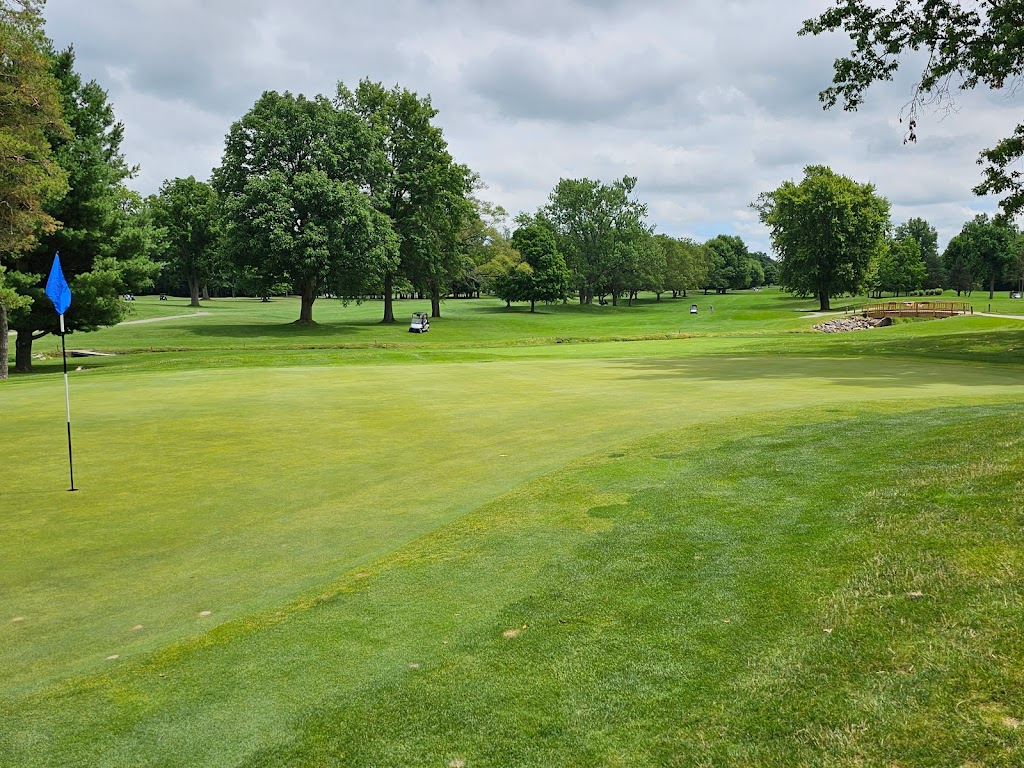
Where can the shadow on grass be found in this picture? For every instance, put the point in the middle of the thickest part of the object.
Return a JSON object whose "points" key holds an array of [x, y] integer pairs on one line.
{"points": [[845, 371], [1004, 347]]}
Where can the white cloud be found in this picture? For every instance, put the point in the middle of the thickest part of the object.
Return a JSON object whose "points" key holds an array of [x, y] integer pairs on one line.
{"points": [[708, 103]]}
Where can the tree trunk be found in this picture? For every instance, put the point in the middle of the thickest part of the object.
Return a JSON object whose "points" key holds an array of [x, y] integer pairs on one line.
{"points": [[308, 297], [193, 290], [533, 305], [823, 301], [206, 293], [3, 342], [435, 300], [23, 352], [992, 288], [389, 308]]}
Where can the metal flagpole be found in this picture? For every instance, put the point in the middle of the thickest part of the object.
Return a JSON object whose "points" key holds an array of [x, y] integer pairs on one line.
{"points": [[67, 403], [60, 294]]}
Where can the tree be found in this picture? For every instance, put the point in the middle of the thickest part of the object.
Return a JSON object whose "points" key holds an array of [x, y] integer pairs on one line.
{"points": [[598, 227], [769, 267], [826, 230], [94, 218], [899, 268], [29, 175], [483, 237], [686, 264], [9, 299], [967, 45], [753, 273], [1015, 272], [729, 269], [987, 247], [956, 261], [417, 185], [927, 239], [548, 278], [188, 211], [292, 182], [503, 275]]}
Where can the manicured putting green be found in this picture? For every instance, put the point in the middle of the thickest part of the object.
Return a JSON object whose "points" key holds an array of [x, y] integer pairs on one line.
{"points": [[826, 587], [231, 491]]}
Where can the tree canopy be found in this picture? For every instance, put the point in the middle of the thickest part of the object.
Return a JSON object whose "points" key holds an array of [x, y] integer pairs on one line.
{"points": [[598, 227], [548, 278], [826, 231], [927, 239], [416, 184], [292, 182], [29, 175], [967, 45], [95, 217], [188, 212], [985, 248]]}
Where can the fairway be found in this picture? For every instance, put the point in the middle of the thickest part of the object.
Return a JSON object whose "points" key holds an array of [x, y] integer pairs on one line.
{"points": [[501, 553]]}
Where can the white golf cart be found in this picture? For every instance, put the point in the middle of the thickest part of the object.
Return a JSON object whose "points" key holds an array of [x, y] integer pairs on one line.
{"points": [[693, 309], [420, 322]]}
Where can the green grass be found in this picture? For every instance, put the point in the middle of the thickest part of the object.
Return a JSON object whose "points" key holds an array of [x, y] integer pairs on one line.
{"points": [[664, 528]]}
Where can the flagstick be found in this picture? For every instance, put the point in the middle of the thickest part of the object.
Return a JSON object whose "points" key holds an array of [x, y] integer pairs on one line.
{"points": [[67, 403]]}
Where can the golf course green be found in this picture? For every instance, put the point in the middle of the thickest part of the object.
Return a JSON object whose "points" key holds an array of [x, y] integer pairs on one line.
{"points": [[587, 536]]}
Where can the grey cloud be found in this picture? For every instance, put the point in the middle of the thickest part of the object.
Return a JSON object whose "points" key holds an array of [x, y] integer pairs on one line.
{"points": [[708, 102]]}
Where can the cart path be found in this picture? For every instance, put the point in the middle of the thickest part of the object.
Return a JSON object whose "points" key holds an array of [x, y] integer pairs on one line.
{"points": [[161, 319], [150, 320]]}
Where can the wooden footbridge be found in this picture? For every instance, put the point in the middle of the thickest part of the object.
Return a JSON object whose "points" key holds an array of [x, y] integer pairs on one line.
{"points": [[925, 309]]}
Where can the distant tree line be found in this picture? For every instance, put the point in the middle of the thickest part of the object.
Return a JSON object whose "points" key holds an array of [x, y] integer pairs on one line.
{"points": [[604, 252]]}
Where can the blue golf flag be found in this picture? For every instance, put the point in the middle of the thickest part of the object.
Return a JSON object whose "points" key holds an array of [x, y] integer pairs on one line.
{"points": [[57, 288]]}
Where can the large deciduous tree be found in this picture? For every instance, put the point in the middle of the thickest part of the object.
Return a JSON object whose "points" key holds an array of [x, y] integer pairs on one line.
{"points": [[898, 268], [598, 226], [418, 186], [729, 264], [968, 45], [94, 221], [686, 264], [986, 246], [29, 175], [188, 212], [826, 230], [292, 182]]}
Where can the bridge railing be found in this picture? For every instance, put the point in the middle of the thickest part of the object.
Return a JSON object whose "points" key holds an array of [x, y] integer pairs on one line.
{"points": [[917, 309]]}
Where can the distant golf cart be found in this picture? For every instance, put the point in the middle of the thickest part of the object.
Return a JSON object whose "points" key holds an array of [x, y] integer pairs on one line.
{"points": [[420, 322], [693, 309]]}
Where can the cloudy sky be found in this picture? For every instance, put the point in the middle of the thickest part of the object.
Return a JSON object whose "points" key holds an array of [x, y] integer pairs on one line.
{"points": [[707, 102]]}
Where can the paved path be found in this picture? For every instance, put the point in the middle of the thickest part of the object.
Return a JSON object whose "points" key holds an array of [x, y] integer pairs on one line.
{"points": [[161, 319], [1007, 317], [150, 320]]}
